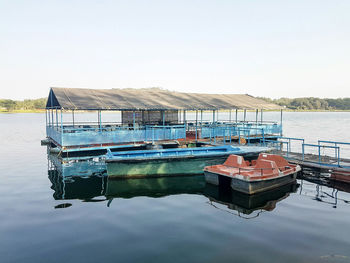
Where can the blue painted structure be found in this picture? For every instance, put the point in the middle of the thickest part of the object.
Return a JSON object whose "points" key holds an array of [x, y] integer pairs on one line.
{"points": [[183, 152], [67, 136], [138, 127], [336, 160], [246, 130]]}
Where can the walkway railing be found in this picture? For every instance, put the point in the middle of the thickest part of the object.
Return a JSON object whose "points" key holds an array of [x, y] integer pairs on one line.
{"points": [[68, 136], [335, 143], [240, 129], [316, 153]]}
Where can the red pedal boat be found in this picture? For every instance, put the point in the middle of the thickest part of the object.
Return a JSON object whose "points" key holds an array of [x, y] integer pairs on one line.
{"points": [[267, 172]]}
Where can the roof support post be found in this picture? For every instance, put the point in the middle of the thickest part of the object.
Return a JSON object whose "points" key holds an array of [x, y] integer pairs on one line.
{"points": [[184, 118], [236, 116], [196, 123], [245, 115], [56, 119], [281, 120], [52, 117], [163, 121], [48, 115], [256, 117], [99, 119], [213, 116], [261, 116], [73, 117], [61, 128], [230, 118], [133, 120], [201, 118], [45, 117]]}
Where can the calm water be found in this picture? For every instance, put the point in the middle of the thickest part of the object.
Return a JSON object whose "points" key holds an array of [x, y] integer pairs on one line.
{"points": [[90, 219]]}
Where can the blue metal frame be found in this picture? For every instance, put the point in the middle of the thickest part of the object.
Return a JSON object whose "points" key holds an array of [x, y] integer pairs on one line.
{"points": [[337, 148], [336, 143], [105, 135], [290, 139], [99, 133]]}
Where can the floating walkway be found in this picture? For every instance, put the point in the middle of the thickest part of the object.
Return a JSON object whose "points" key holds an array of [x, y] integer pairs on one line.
{"points": [[323, 156]]}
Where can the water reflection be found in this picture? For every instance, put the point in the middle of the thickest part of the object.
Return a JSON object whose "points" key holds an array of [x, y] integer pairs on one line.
{"points": [[324, 192], [64, 205], [319, 186], [82, 179], [75, 187], [84, 166], [86, 179], [155, 187], [222, 198]]}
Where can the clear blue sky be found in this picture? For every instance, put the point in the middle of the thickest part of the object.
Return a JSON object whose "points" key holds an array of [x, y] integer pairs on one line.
{"points": [[263, 48]]}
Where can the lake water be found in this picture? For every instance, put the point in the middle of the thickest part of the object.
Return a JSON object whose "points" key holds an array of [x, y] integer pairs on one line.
{"points": [[45, 218]]}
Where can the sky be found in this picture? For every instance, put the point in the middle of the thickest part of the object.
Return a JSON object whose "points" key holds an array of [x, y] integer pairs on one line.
{"points": [[289, 48]]}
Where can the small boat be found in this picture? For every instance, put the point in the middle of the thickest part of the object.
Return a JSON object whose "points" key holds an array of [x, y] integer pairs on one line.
{"points": [[171, 162], [269, 171]]}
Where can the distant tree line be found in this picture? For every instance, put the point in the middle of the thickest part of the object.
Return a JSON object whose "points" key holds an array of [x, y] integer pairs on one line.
{"points": [[311, 103], [11, 105]]}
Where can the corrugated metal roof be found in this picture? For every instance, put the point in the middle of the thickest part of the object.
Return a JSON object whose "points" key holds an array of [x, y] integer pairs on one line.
{"points": [[149, 99]]}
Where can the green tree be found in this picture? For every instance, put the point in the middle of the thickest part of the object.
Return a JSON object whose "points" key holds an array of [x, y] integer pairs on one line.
{"points": [[9, 105]]}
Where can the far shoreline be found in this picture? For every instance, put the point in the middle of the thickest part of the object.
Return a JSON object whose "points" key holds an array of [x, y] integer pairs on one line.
{"points": [[284, 110]]}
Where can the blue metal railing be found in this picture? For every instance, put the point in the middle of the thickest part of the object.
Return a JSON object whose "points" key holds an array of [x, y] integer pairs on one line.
{"points": [[336, 143], [290, 140], [68, 136], [281, 141], [337, 149], [279, 145], [241, 129]]}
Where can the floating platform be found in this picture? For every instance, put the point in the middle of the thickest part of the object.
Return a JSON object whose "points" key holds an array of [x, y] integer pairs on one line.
{"points": [[336, 169]]}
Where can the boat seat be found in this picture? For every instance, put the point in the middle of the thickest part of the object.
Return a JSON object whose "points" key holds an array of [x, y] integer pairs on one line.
{"points": [[235, 161], [281, 163], [267, 166]]}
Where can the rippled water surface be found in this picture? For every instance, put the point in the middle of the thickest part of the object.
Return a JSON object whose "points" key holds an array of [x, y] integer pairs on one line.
{"points": [[48, 218]]}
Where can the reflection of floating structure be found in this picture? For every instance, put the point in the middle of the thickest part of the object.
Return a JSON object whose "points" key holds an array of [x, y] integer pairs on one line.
{"points": [[247, 204], [70, 182], [155, 187], [267, 172], [171, 161], [149, 115], [85, 188], [83, 178], [324, 191], [86, 166]]}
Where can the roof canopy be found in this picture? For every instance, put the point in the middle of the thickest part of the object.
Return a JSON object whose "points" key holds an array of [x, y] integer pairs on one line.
{"points": [[149, 99]]}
